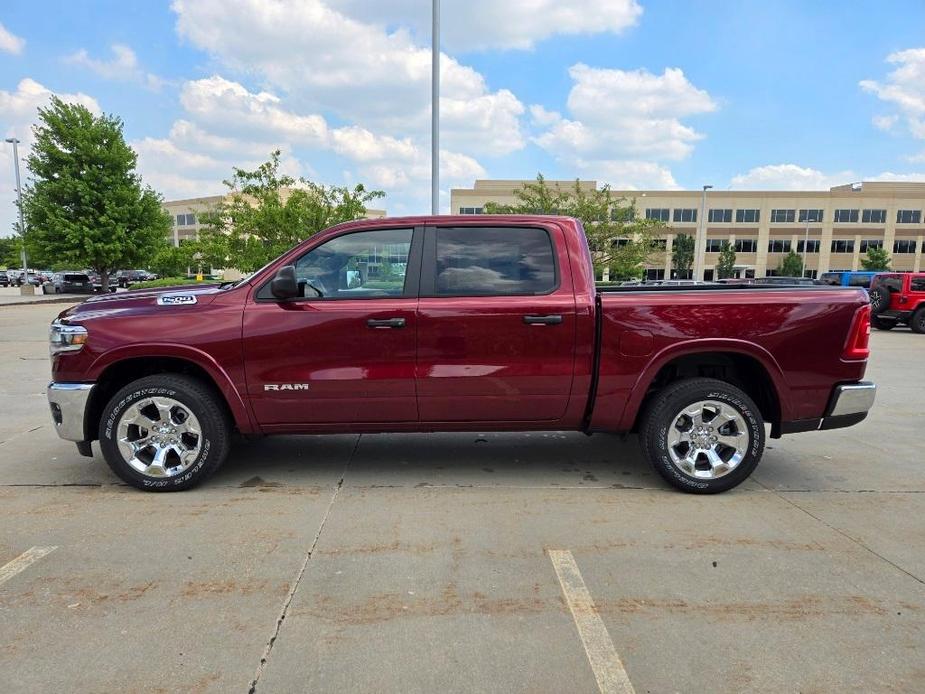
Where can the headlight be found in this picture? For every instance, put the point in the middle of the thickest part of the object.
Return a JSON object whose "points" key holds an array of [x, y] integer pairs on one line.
{"points": [[66, 338]]}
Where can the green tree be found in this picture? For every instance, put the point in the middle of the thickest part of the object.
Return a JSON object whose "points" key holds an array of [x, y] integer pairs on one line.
{"points": [[791, 265], [10, 247], [682, 255], [85, 205], [266, 213], [725, 263], [618, 240], [877, 259]]}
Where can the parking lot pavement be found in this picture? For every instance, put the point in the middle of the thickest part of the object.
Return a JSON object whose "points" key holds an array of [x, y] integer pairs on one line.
{"points": [[422, 562]]}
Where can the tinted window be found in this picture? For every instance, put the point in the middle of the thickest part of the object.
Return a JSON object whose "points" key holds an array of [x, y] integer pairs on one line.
{"points": [[364, 265], [917, 284], [748, 216], [859, 280], [76, 278], [721, 215], [685, 215], [891, 282], [873, 216], [487, 261], [833, 278]]}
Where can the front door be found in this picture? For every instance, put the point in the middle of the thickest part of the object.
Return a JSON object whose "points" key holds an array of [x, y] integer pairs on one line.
{"points": [[496, 325], [344, 352]]}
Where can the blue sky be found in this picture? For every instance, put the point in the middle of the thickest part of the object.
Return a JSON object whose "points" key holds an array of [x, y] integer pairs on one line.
{"points": [[637, 93]]}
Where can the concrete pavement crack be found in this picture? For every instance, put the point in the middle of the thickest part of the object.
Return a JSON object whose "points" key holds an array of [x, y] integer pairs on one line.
{"points": [[844, 534], [268, 649]]}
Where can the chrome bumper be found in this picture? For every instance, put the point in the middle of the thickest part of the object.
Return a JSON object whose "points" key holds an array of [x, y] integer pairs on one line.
{"points": [[852, 399], [68, 402]]}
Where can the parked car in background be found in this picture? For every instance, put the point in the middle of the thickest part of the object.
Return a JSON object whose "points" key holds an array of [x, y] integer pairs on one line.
{"points": [[124, 278], [848, 278], [898, 298], [4, 279], [72, 283], [98, 283], [487, 323], [786, 281]]}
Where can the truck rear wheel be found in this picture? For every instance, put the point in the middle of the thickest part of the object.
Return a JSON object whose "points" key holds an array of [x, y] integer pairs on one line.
{"points": [[702, 435], [164, 433]]}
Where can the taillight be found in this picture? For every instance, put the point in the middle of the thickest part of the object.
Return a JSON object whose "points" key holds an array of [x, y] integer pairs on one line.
{"points": [[858, 344]]}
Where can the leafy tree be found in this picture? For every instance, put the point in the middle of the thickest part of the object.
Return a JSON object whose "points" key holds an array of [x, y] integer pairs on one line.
{"points": [[85, 205], [618, 240], [682, 254], [174, 261], [266, 213], [877, 259], [725, 263], [10, 251], [791, 265]]}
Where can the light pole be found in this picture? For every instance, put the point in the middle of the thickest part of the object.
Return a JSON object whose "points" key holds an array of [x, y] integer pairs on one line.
{"points": [[22, 224], [700, 247], [435, 110]]}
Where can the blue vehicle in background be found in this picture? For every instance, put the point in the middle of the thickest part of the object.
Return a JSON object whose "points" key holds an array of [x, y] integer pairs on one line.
{"points": [[849, 278]]}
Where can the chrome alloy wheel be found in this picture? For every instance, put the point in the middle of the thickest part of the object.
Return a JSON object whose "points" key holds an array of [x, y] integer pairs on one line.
{"points": [[159, 437], [708, 439]]}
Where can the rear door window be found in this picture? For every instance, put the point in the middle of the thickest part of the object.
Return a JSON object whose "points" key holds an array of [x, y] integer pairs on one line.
{"points": [[917, 284], [76, 278], [494, 261], [859, 280], [892, 282]]}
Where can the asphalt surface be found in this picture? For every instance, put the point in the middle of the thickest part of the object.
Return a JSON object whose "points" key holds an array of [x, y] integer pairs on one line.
{"points": [[421, 563]]}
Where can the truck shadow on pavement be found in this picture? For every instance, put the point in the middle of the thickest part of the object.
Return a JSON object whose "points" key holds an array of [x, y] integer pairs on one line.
{"points": [[535, 459]]}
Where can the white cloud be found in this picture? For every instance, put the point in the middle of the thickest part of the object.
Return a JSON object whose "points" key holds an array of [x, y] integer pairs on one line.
{"points": [[903, 88], [19, 112], [623, 124], [790, 177], [794, 177], [10, 42], [518, 24], [123, 66], [359, 71]]}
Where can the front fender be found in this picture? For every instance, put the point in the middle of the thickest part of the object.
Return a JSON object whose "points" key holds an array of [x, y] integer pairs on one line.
{"points": [[239, 409]]}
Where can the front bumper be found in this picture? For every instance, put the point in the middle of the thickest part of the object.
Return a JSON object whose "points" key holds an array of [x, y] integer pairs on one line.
{"points": [[68, 402]]}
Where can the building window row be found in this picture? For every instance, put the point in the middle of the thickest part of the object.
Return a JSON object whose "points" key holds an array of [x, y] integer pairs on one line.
{"points": [[659, 214], [685, 215], [471, 210], [904, 246], [812, 246], [714, 245], [870, 243], [720, 215], [746, 246], [779, 246], [842, 245], [185, 220], [782, 216], [908, 216]]}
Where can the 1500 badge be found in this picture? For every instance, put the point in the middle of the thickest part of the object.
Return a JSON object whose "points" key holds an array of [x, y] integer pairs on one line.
{"points": [[176, 299], [285, 386]]}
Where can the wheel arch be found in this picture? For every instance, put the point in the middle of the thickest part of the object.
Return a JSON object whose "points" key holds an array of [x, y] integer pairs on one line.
{"points": [[116, 369], [744, 365]]}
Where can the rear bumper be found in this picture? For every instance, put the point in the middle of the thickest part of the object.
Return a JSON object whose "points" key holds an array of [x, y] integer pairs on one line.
{"points": [[68, 403], [848, 405]]}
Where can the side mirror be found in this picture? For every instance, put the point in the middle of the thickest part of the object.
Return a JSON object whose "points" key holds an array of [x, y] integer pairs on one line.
{"points": [[284, 285]]}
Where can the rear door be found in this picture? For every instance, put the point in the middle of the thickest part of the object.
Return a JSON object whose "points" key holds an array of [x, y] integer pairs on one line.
{"points": [[344, 352], [496, 324]]}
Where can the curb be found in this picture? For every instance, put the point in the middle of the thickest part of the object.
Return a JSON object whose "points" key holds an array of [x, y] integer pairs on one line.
{"points": [[34, 302]]}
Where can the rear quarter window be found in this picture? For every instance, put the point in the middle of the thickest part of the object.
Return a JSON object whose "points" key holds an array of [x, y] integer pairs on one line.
{"points": [[494, 261]]}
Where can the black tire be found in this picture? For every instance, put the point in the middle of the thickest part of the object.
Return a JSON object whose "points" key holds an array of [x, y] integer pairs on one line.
{"points": [[191, 393], [661, 414], [882, 323], [917, 323], [879, 300]]}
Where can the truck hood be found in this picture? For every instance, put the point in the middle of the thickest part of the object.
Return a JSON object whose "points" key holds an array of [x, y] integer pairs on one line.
{"points": [[182, 297]]}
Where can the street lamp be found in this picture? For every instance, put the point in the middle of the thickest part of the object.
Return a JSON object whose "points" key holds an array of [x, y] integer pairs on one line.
{"points": [[435, 110], [700, 247], [22, 224]]}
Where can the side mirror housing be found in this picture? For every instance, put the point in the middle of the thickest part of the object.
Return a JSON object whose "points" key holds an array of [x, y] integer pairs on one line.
{"points": [[285, 285]]}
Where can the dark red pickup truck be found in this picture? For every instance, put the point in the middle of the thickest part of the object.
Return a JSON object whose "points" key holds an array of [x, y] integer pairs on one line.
{"points": [[455, 324]]}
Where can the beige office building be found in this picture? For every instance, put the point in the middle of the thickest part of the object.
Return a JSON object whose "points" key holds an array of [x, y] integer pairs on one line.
{"points": [[837, 226]]}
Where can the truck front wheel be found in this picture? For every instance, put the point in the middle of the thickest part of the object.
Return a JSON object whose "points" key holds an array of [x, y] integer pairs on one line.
{"points": [[164, 433], [702, 435]]}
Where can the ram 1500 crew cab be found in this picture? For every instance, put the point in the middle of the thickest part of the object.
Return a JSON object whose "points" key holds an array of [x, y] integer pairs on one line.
{"points": [[455, 324]]}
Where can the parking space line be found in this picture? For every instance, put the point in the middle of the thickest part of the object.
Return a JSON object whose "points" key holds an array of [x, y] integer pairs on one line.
{"points": [[605, 661], [23, 561]]}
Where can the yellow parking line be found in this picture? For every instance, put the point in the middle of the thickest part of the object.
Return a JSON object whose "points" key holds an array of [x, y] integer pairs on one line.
{"points": [[605, 661], [23, 561]]}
